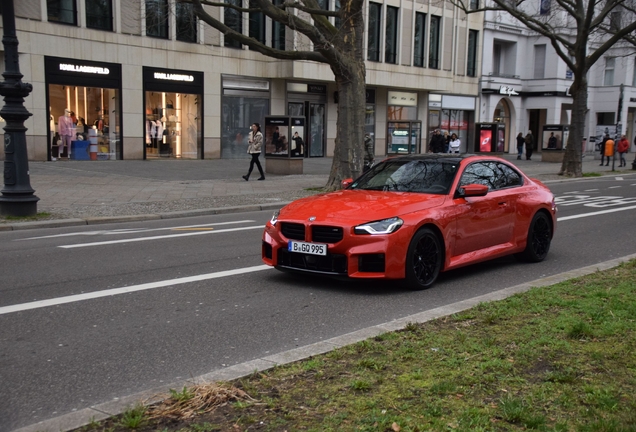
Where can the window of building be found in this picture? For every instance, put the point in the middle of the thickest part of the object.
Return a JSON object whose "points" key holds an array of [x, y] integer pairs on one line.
{"points": [[157, 14], [473, 5], [608, 77], [237, 114], [615, 21], [173, 125], [471, 67], [539, 61], [257, 24], [234, 20], [81, 114], [278, 31], [62, 11], [605, 118], [390, 44], [373, 45], [433, 51], [419, 39], [496, 59], [337, 22], [99, 14], [186, 22]]}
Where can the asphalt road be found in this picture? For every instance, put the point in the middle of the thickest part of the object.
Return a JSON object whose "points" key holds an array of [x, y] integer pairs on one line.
{"points": [[61, 352]]}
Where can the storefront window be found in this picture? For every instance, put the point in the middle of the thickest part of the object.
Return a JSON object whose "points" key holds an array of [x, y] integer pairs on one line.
{"points": [[81, 116], [401, 113], [460, 122], [173, 125], [237, 114]]}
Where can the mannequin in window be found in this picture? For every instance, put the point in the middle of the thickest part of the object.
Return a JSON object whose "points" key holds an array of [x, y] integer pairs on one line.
{"points": [[66, 129], [151, 131], [99, 124], [159, 133]]}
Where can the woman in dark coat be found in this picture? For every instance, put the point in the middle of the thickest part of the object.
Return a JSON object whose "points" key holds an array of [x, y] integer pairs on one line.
{"points": [[520, 142]]}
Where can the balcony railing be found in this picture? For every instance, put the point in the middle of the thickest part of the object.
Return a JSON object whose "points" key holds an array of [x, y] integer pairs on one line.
{"points": [[503, 75]]}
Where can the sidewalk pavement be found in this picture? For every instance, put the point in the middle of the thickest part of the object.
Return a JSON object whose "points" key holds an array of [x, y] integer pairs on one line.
{"points": [[83, 192]]}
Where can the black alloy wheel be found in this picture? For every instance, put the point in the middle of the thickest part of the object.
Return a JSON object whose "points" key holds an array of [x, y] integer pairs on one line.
{"points": [[423, 260], [539, 238]]}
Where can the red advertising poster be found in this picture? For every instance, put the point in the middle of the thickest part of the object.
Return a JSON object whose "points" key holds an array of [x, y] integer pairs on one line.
{"points": [[485, 140]]}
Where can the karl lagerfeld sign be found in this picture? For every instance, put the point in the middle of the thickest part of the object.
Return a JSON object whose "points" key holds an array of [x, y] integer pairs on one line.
{"points": [[509, 91]]}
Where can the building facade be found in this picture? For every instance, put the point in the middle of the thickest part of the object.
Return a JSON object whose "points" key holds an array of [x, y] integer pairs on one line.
{"points": [[143, 79], [524, 85]]}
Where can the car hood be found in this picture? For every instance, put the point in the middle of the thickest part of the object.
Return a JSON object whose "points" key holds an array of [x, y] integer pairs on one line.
{"points": [[358, 206]]}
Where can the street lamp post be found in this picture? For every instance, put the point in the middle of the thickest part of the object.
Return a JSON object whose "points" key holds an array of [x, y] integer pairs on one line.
{"points": [[18, 197]]}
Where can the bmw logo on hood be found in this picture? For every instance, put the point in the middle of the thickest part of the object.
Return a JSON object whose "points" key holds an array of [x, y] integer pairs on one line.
{"points": [[312, 218]]}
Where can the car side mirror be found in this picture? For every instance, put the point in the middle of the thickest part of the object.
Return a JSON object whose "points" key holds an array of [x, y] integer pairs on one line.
{"points": [[472, 190], [346, 183]]}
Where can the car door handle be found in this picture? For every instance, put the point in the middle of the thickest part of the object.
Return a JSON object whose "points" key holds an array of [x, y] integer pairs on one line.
{"points": [[503, 203]]}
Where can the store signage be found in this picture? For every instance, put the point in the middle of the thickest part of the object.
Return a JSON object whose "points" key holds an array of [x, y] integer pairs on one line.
{"points": [[173, 77], [84, 69], [509, 91], [402, 98], [316, 88]]}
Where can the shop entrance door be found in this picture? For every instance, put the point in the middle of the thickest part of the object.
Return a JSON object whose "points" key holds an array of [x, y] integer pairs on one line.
{"points": [[404, 137], [314, 114]]}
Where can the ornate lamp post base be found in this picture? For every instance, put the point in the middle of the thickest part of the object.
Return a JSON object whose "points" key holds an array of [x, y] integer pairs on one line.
{"points": [[17, 195]]}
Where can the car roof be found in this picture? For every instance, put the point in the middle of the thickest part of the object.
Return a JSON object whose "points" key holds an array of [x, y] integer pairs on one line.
{"points": [[450, 157]]}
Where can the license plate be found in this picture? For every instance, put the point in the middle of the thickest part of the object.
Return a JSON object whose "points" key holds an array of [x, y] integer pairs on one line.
{"points": [[307, 248]]}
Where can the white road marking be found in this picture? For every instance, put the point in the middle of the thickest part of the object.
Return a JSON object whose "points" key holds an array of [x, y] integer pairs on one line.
{"points": [[614, 187], [159, 284], [602, 212], [124, 290], [133, 230], [188, 234]]}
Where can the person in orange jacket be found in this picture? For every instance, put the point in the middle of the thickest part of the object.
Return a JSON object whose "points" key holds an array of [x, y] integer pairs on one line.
{"points": [[622, 147]]}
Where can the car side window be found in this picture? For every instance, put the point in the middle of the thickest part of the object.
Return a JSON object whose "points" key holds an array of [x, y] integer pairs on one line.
{"points": [[495, 175], [479, 173], [507, 177]]}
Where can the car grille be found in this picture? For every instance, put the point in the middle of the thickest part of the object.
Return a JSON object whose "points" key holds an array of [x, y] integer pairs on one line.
{"points": [[331, 264], [319, 233], [293, 231], [326, 234]]}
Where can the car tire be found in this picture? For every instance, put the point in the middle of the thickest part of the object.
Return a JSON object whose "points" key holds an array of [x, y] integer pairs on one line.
{"points": [[538, 240], [423, 260]]}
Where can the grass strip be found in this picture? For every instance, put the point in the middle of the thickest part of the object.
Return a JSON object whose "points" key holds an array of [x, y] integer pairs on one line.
{"points": [[558, 358]]}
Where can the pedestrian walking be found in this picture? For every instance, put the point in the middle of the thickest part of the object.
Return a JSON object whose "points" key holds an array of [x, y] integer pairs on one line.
{"points": [[437, 142], [529, 140], [369, 152], [447, 140], [606, 138], [520, 143], [255, 141], [622, 147], [454, 144]]}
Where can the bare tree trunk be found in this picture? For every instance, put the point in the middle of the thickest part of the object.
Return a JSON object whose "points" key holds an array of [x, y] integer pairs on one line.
{"points": [[571, 166], [348, 155]]}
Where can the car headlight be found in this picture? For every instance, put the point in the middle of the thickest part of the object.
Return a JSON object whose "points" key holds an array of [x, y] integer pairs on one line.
{"points": [[274, 218], [385, 226]]}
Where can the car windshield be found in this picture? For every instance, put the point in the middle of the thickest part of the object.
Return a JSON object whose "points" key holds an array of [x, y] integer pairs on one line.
{"points": [[433, 176]]}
